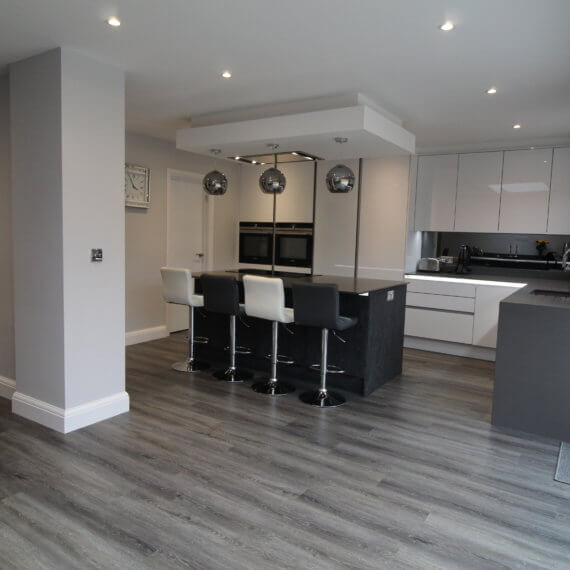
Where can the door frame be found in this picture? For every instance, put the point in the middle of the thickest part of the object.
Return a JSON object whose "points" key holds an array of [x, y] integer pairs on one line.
{"points": [[207, 215]]}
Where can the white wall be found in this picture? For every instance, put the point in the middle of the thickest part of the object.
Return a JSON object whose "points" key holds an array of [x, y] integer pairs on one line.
{"points": [[145, 240], [7, 366], [68, 138], [93, 147], [38, 226], [335, 224], [383, 217]]}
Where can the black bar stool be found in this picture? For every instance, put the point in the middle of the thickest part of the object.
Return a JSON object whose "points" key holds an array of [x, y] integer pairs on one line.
{"points": [[317, 305], [221, 295]]}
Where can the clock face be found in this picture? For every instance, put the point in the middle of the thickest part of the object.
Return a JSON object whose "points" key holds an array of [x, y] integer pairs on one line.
{"points": [[137, 186]]}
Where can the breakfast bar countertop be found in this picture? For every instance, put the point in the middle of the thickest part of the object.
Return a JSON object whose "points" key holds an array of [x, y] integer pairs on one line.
{"points": [[358, 286]]}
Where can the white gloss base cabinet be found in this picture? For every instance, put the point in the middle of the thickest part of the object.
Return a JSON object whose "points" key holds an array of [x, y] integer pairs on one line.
{"points": [[455, 312], [487, 300], [439, 325]]}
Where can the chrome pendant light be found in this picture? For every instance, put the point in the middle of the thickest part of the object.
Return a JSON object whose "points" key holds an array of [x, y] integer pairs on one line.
{"points": [[340, 179], [272, 181], [215, 183]]}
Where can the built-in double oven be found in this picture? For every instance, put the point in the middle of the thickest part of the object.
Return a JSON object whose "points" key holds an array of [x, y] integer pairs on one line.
{"points": [[293, 243]]}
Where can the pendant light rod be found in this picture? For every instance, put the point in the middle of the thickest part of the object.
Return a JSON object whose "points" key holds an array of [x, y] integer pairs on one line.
{"points": [[358, 203], [274, 224]]}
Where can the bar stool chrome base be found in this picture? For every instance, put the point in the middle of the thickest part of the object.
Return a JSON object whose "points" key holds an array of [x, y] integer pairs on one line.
{"points": [[201, 340], [272, 387], [281, 359], [331, 369], [322, 399], [191, 366], [233, 375]]}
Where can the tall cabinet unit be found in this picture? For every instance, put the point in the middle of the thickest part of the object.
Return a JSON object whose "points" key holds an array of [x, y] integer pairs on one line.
{"points": [[436, 190], [478, 192], [525, 191], [559, 208]]}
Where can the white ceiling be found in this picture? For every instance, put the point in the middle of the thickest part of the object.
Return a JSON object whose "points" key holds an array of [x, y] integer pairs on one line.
{"points": [[391, 51]]}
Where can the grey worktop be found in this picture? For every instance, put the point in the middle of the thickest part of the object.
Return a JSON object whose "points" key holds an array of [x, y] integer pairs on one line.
{"points": [[535, 279], [345, 284]]}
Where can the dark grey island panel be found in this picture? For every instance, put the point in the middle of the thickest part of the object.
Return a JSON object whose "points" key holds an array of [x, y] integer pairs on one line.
{"points": [[371, 356], [532, 378]]}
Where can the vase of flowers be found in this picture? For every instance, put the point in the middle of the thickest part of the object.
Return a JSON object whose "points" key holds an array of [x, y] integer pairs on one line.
{"points": [[541, 245]]}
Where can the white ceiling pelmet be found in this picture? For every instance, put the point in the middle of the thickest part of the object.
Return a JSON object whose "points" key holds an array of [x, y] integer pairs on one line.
{"points": [[392, 51], [369, 134]]}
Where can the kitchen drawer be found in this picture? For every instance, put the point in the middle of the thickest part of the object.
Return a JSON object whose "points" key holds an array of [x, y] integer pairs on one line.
{"points": [[439, 325], [442, 288], [444, 302]]}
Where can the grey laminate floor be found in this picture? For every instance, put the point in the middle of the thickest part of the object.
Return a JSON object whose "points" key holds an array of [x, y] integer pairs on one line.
{"points": [[204, 474]]}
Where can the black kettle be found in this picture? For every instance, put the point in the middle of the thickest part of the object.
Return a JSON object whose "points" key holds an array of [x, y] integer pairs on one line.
{"points": [[463, 259]]}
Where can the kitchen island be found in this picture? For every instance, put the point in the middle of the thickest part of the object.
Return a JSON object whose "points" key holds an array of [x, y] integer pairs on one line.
{"points": [[371, 356], [532, 377]]}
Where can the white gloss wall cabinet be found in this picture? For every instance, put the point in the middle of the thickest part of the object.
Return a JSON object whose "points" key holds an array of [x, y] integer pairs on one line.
{"points": [[478, 192], [436, 191], [559, 208], [525, 191], [335, 224], [487, 300]]}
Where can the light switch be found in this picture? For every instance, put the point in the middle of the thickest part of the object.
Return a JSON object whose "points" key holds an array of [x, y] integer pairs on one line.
{"points": [[390, 295], [96, 255]]}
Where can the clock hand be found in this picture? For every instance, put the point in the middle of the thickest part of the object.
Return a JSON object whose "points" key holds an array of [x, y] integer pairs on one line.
{"points": [[131, 179]]}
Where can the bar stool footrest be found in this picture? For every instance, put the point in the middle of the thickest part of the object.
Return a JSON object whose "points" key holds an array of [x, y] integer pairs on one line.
{"points": [[240, 350], [331, 369], [322, 399], [201, 340], [282, 359]]}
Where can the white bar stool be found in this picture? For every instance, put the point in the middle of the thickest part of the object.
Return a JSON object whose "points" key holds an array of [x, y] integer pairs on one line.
{"points": [[178, 288], [265, 299]]}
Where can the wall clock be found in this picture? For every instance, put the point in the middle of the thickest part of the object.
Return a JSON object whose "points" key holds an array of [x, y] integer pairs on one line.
{"points": [[137, 186]]}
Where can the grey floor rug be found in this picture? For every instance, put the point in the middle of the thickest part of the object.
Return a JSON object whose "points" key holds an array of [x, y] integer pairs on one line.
{"points": [[563, 467]]}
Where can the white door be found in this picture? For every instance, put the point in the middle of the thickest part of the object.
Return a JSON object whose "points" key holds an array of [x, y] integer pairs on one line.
{"points": [[186, 233]]}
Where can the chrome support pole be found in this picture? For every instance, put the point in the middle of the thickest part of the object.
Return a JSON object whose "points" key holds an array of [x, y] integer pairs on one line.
{"points": [[324, 359], [232, 342], [191, 334], [275, 329]]}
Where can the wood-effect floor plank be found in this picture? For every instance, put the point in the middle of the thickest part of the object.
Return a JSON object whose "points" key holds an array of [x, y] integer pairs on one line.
{"points": [[204, 474]]}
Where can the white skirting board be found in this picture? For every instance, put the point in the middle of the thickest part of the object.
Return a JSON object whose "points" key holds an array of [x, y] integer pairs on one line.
{"points": [[7, 387], [73, 418], [144, 335], [455, 348]]}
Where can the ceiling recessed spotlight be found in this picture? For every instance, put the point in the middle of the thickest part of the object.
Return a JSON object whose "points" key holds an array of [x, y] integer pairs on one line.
{"points": [[113, 21], [531, 147], [447, 26], [226, 74], [237, 157], [216, 151], [254, 162], [517, 126], [309, 157], [491, 91], [294, 153], [340, 140]]}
